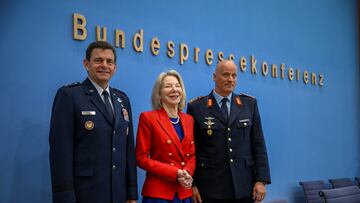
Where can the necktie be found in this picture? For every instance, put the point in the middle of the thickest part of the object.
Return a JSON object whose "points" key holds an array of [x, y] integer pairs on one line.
{"points": [[108, 105], [224, 108]]}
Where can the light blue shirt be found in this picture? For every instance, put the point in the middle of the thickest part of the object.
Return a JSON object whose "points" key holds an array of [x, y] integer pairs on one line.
{"points": [[100, 91], [218, 99]]}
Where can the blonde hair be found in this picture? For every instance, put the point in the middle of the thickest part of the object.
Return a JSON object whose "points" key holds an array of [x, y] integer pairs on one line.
{"points": [[155, 96]]}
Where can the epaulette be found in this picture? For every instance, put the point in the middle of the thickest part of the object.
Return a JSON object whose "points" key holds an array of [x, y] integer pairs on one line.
{"points": [[72, 84], [196, 98], [247, 95]]}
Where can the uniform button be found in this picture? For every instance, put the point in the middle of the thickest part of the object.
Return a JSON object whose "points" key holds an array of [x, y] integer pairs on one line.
{"points": [[192, 142], [245, 124], [168, 141], [228, 129], [114, 149], [182, 163], [187, 154], [113, 167], [170, 154], [172, 164], [202, 164], [231, 160], [229, 139], [230, 150], [114, 132]]}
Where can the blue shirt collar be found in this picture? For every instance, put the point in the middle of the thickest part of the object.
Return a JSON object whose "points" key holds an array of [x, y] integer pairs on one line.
{"points": [[99, 89], [218, 97]]}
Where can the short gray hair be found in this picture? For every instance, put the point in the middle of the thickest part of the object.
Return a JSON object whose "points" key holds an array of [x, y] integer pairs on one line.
{"points": [[155, 97]]}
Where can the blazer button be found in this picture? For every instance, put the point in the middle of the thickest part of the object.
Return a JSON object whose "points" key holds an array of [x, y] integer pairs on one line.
{"points": [[182, 163], [192, 142], [187, 154], [229, 139], [113, 167], [172, 164], [168, 141], [231, 160], [170, 154]]}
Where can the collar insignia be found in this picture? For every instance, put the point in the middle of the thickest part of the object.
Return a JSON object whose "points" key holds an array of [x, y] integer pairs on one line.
{"points": [[209, 102], [238, 101]]}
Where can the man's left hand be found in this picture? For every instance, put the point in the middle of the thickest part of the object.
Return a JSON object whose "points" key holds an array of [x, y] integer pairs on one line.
{"points": [[259, 191]]}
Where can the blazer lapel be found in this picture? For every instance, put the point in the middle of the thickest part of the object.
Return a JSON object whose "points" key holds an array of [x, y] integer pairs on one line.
{"points": [[215, 109], [96, 99], [118, 107], [235, 108], [187, 131], [169, 129]]}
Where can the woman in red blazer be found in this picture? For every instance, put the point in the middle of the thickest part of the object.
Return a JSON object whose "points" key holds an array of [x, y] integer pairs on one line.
{"points": [[165, 143]]}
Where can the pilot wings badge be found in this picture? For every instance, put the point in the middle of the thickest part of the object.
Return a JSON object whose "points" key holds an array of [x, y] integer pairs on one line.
{"points": [[209, 123]]}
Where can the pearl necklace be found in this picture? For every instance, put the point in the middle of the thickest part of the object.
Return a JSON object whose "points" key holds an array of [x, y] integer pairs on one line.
{"points": [[175, 122]]}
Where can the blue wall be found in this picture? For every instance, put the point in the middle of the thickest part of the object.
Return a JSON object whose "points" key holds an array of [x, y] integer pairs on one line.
{"points": [[312, 132]]}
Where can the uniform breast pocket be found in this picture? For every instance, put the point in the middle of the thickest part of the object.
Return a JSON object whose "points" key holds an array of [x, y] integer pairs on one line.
{"points": [[123, 128], [244, 125], [210, 127], [88, 121]]}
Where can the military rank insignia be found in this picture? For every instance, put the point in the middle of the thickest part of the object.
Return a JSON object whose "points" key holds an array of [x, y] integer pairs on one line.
{"points": [[238, 101], [125, 114], [209, 102], [209, 123], [119, 100], [89, 125]]}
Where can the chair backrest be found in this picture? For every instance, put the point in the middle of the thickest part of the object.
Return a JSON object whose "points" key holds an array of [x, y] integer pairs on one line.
{"points": [[358, 180], [311, 190], [341, 182], [350, 194]]}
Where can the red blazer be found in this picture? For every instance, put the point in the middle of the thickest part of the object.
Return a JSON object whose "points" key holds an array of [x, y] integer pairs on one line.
{"points": [[160, 153]]}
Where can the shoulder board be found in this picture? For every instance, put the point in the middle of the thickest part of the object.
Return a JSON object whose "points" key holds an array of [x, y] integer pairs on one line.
{"points": [[247, 95], [72, 84], [196, 98]]}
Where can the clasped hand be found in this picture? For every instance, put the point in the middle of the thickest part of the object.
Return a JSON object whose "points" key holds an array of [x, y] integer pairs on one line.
{"points": [[184, 178]]}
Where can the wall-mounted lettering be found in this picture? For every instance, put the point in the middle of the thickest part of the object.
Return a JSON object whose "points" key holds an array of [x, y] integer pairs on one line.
{"points": [[80, 32]]}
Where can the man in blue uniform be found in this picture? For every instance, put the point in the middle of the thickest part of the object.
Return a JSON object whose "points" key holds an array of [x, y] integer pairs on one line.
{"points": [[91, 138], [231, 158]]}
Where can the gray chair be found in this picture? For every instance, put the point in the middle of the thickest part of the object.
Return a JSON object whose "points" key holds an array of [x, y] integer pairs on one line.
{"points": [[350, 194], [341, 182], [311, 190]]}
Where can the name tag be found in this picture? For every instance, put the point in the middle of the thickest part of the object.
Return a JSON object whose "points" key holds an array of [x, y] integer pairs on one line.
{"points": [[88, 113]]}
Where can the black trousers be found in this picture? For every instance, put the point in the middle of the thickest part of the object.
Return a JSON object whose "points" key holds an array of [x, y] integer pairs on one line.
{"points": [[242, 200]]}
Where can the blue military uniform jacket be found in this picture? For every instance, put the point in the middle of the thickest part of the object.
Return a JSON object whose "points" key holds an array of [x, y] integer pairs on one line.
{"points": [[92, 156], [230, 155]]}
